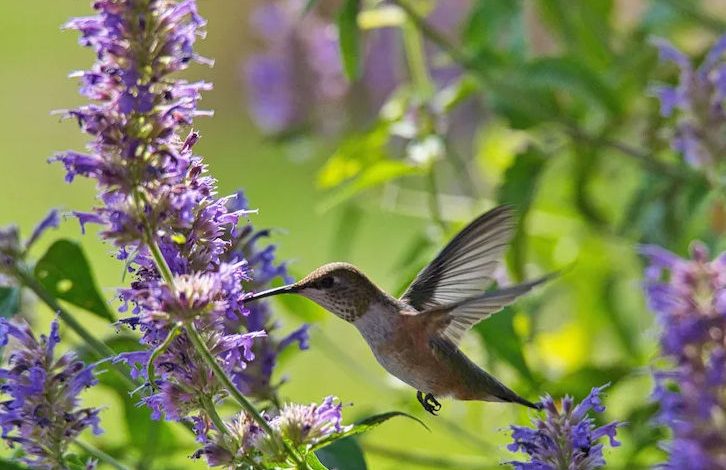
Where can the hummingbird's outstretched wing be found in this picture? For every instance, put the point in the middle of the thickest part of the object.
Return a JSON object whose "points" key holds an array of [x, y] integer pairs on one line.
{"points": [[464, 267], [457, 318]]}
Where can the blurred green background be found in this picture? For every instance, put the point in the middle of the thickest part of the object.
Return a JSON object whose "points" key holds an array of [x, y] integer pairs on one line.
{"points": [[591, 325]]}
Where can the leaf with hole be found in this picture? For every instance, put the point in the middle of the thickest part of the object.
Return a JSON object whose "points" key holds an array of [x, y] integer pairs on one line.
{"points": [[65, 272]]}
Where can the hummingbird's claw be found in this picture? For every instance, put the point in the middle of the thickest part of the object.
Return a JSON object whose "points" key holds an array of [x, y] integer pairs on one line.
{"points": [[428, 402]]}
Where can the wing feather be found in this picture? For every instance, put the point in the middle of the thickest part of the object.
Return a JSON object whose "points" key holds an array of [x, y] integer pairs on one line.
{"points": [[463, 315], [464, 268]]}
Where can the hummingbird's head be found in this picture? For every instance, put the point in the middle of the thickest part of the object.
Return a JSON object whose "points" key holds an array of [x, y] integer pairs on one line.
{"points": [[338, 287]]}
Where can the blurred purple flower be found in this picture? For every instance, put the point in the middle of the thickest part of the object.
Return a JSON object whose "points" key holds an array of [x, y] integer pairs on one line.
{"points": [[698, 98], [42, 413], [567, 438], [688, 297], [297, 80]]}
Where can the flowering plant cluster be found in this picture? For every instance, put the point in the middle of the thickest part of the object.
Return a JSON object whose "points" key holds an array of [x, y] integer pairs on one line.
{"points": [[688, 297]]}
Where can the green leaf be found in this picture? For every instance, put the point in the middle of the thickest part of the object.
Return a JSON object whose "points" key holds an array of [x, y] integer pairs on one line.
{"points": [[495, 30], [10, 465], [366, 425], [64, 271], [499, 337], [9, 301], [343, 454], [574, 77], [580, 382], [349, 37], [74, 462], [314, 463], [375, 175], [347, 230], [518, 189]]}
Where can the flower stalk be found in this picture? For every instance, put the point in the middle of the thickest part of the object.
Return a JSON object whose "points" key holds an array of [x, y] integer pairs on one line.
{"points": [[201, 347]]}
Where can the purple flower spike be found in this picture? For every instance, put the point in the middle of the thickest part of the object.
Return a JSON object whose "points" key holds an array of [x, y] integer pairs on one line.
{"points": [[566, 438], [157, 201], [43, 395], [688, 298]]}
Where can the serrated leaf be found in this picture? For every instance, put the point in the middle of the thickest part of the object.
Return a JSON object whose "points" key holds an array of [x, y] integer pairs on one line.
{"points": [[349, 38], [343, 454], [65, 272], [366, 425], [9, 301], [501, 340]]}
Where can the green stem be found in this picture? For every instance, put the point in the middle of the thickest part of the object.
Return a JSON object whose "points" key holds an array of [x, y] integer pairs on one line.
{"points": [[150, 372], [97, 348], [214, 416], [206, 354], [434, 205], [416, 58], [161, 263], [101, 455]]}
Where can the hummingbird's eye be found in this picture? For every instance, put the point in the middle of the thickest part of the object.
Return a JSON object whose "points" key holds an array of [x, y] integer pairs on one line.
{"points": [[327, 282]]}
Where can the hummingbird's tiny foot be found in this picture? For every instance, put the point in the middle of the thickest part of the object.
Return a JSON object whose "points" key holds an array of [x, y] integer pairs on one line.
{"points": [[428, 402]]}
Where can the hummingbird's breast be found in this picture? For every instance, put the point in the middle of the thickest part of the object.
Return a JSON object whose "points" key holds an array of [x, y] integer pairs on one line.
{"points": [[400, 343]]}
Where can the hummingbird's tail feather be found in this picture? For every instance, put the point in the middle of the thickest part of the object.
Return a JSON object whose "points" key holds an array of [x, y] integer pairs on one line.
{"points": [[514, 398]]}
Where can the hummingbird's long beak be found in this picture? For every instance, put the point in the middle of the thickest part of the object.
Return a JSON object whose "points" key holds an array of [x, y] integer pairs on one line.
{"points": [[288, 289]]}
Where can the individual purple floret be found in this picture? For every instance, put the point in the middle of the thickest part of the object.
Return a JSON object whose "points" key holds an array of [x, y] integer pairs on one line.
{"points": [[698, 100], [567, 438], [688, 297], [301, 425], [41, 413]]}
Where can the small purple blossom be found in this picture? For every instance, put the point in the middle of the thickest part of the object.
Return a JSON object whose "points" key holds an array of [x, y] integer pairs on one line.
{"points": [[301, 425], [305, 425], [567, 438], [688, 297], [698, 99], [42, 413]]}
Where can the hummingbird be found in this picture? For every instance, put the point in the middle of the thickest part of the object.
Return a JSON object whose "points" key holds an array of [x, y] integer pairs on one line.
{"points": [[416, 337]]}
